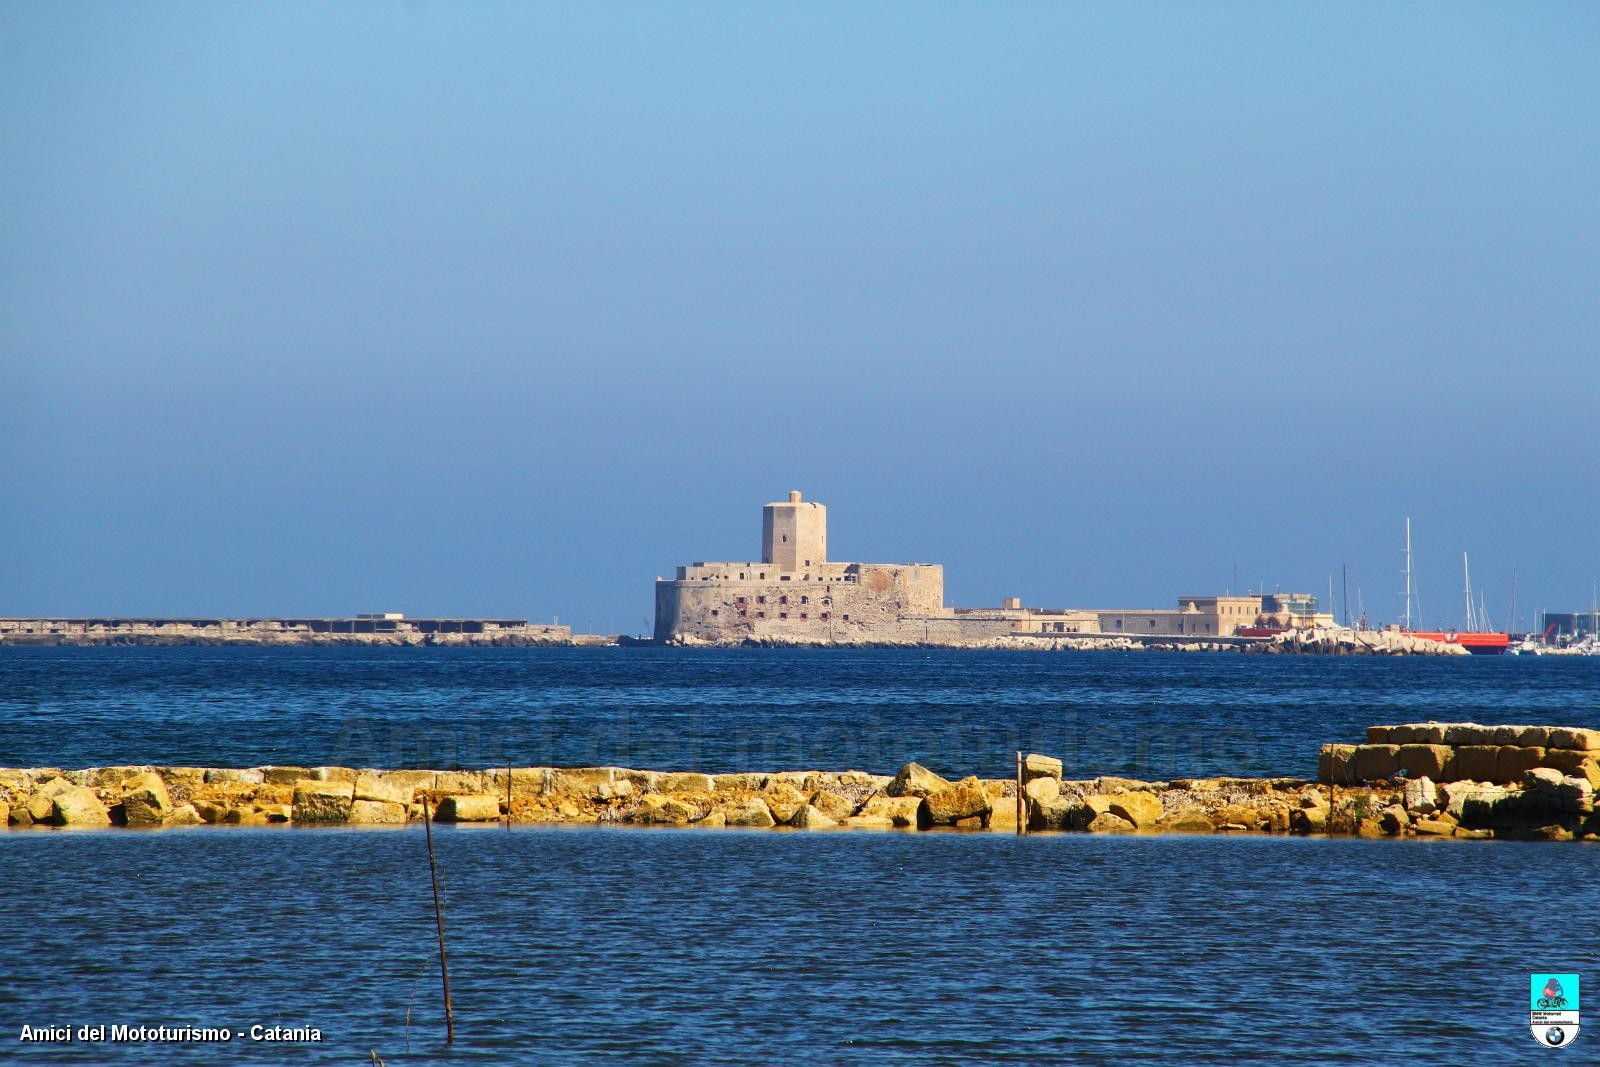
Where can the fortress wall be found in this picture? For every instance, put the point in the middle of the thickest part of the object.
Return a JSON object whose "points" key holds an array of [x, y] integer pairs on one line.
{"points": [[869, 608]]}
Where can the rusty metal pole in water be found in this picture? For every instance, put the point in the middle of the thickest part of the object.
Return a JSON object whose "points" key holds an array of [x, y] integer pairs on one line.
{"points": [[438, 918], [1022, 800]]}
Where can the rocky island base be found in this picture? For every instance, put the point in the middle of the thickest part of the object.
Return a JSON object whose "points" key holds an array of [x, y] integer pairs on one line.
{"points": [[1426, 779]]}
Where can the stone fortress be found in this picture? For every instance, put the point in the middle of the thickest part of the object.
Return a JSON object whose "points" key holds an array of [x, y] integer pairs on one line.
{"points": [[795, 595]]}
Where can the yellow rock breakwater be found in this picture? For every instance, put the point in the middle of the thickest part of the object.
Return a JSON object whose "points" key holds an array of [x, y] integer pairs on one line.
{"points": [[1541, 802]]}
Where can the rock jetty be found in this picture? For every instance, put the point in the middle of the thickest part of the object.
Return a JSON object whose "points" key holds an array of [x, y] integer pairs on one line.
{"points": [[1428, 779]]}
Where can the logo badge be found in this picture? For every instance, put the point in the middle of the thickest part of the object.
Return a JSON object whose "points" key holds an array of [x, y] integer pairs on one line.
{"points": [[1553, 1014]]}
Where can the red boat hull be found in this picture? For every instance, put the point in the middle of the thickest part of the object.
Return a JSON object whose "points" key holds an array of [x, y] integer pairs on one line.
{"points": [[1477, 644]]}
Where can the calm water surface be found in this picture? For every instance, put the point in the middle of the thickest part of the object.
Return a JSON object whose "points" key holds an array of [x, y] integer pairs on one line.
{"points": [[1146, 714], [573, 946]]}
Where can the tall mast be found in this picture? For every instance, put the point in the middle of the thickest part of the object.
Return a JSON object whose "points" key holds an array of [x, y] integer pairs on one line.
{"points": [[1511, 623], [1344, 571], [1466, 577], [1410, 583]]}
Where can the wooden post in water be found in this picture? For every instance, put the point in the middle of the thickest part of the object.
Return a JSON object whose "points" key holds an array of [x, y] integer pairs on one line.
{"points": [[438, 918], [508, 794], [1022, 800]]}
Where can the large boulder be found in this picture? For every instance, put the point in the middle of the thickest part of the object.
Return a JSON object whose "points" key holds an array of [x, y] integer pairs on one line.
{"points": [[1187, 821], [1042, 790], [317, 801], [1336, 764], [1478, 763], [809, 818], [1575, 739], [1375, 763], [900, 811], [1311, 819], [684, 782], [835, 806], [785, 801], [464, 783], [1468, 733], [1141, 809], [145, 801], [1110, 823], [752, 811], [915, 780], [184, 815], [1427, 761], [1574, 763], [660, 809], [1003, 816], [1060, 813], [383, 790], [377, 812], [468, 807], [1515, 761], [1421, 796], [1394, 820], [78, 806], [1036, 766], [582, 782], [251, 776], [965, 799]]}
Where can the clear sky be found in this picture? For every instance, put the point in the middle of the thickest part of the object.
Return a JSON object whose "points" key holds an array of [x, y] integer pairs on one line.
{"points": [[505, 309]]}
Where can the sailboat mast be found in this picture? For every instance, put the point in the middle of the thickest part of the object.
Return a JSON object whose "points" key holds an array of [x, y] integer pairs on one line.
{"points": [[1466, 577], [1408, 574], [1511, 622], [1344, 569]]}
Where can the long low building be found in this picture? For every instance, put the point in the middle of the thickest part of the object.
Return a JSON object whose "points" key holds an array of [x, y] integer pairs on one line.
{"points": [[375, 628], [795, 593]]}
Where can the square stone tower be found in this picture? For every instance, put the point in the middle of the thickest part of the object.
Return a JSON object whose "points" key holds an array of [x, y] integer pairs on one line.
{"points": [[794, 534]]}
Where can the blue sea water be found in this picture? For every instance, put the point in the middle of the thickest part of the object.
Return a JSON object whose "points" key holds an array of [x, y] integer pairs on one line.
{"points": [[577, 946]]}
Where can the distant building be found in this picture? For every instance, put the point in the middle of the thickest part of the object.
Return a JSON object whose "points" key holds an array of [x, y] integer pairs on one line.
{"points": [[794, 592], [793, 589]]}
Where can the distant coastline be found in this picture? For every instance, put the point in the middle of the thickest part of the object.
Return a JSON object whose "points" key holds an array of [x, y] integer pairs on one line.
{"points": [[356, 632]]}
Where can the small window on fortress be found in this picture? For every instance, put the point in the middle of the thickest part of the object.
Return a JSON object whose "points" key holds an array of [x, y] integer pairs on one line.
{"points": [[808, 563], [741, 576], [761, 600], [713, 613], [827, 601], [805, 600], [738, 600], [802, 614], [761, 614], [783, 599], [783, 578], [823, 616], [785, 538], [783, 614], [847, 616]]}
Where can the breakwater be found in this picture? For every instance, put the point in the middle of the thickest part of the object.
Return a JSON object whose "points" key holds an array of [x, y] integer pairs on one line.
{"points": [[1382, 788]]}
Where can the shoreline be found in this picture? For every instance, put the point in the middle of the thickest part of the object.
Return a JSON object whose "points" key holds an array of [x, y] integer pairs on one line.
{"points": [[1485, 782], [1360, 643]]}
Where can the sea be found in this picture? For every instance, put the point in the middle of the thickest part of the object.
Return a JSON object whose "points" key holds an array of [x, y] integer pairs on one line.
{"points": [[678, 946]]}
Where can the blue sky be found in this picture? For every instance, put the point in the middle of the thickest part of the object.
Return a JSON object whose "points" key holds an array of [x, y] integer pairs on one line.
{"points": [[505, 309]]}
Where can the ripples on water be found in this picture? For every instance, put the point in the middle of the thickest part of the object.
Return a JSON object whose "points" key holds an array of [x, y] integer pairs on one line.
{"points": [[728, 947], [724, 947], [1142, 714]]}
